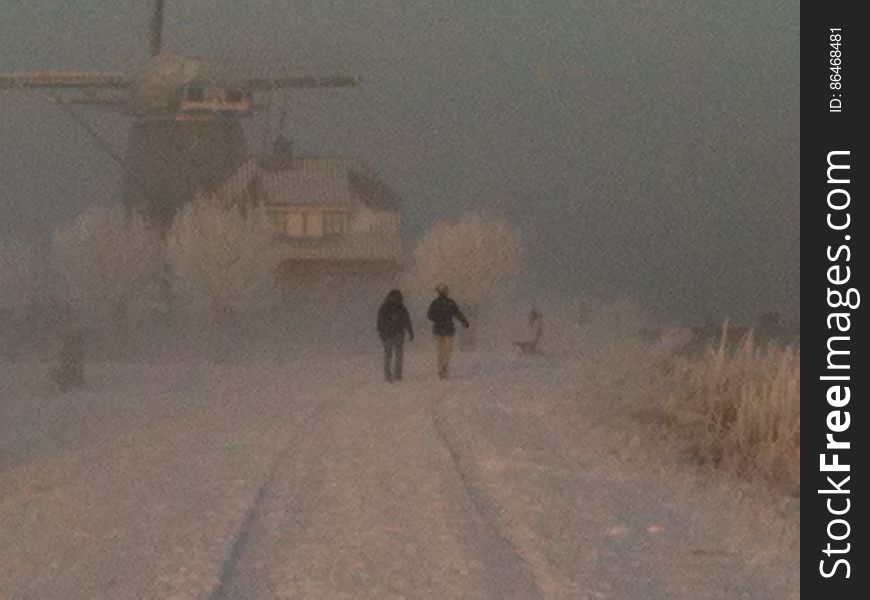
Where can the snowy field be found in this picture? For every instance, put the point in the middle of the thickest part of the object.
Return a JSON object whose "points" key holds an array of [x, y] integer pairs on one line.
{"points": [[301, 474]]}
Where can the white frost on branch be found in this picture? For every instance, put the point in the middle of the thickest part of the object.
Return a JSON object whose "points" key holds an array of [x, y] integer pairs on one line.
{"points": [[106, 257], [472, 256], [221, 259]]}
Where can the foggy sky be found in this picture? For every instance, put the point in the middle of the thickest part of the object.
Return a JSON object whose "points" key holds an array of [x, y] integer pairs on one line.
{"points": [[647, 148]]}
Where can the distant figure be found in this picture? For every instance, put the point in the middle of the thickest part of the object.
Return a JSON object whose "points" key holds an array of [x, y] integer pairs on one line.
{"points": [[442, 311], [393, 322], [536, 331], [70, 373]]}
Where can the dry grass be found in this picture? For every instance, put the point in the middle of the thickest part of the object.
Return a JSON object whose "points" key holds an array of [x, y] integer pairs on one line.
{"points": [[740, 409]]}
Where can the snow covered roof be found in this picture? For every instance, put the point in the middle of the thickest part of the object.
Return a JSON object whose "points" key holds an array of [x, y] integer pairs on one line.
{"points": [[288, 180]]}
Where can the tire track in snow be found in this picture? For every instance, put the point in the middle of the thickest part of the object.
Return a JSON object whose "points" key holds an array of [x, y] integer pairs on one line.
{"points": [[229, 566], [511, 576]]}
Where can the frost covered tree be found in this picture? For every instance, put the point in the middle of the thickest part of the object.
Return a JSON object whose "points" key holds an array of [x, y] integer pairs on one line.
{"points": [[473, 256], [222, 261], [106, 257]]}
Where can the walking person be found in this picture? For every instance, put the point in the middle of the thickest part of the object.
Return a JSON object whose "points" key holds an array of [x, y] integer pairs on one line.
{"points": [[442, 312], [393, 322]]}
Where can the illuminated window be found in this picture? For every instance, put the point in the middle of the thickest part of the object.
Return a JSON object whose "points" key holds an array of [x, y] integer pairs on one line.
{"points": [[314, 224], [295, 224]]}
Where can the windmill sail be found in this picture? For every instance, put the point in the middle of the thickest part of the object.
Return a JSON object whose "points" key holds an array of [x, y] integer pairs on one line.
{"points": [[58, 80], [186, 134], [156, 38]]}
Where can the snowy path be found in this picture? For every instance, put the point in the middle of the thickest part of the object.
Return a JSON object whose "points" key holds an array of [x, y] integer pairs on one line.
{"points": [[519, 478]]}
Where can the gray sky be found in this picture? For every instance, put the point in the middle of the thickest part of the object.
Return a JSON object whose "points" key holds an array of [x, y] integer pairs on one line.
{"points": [[647, 148]]}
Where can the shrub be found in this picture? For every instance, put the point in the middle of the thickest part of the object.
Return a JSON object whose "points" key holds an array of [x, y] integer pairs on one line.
{"points": [[740, 408], [472, 256], [106, 257], [221, 260]]}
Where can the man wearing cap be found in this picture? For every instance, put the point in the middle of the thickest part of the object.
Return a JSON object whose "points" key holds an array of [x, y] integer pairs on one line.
{"points": [[442, 312]]}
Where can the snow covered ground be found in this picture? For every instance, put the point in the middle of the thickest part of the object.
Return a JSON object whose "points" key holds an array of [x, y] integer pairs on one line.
{"points": [[307, 476]]}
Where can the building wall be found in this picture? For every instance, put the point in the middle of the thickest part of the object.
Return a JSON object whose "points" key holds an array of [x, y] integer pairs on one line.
{"points": [[386, 245], [368, 219]]}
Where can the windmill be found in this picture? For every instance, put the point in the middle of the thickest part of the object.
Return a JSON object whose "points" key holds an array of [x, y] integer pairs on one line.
{"points": [[186, 133]]}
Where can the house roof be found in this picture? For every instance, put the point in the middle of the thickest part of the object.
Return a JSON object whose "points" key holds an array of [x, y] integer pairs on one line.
{"points": [[284, 179]]}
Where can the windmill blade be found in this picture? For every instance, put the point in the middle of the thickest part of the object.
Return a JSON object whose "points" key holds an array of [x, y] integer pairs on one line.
{"points": [[157, 28], [265, 84], [63, 80]]}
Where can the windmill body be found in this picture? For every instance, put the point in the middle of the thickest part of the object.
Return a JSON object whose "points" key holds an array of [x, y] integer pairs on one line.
{"points": [[186, 133]]}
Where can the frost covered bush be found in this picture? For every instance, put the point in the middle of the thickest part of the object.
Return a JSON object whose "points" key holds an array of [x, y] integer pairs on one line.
{"points": [[740, 409], [19, 275], [221, 260], [106, 257], [472, 256]]}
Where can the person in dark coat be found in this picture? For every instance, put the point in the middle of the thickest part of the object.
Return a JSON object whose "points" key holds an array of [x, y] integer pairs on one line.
{"points": [[393, 322], [442, 313]]}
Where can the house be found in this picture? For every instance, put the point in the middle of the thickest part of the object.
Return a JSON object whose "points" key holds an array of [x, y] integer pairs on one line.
{"points": [[331, 215]]}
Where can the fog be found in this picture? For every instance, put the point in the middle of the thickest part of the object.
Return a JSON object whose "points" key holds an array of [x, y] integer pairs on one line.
{"points": [[646, 149], [205, 393]]}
